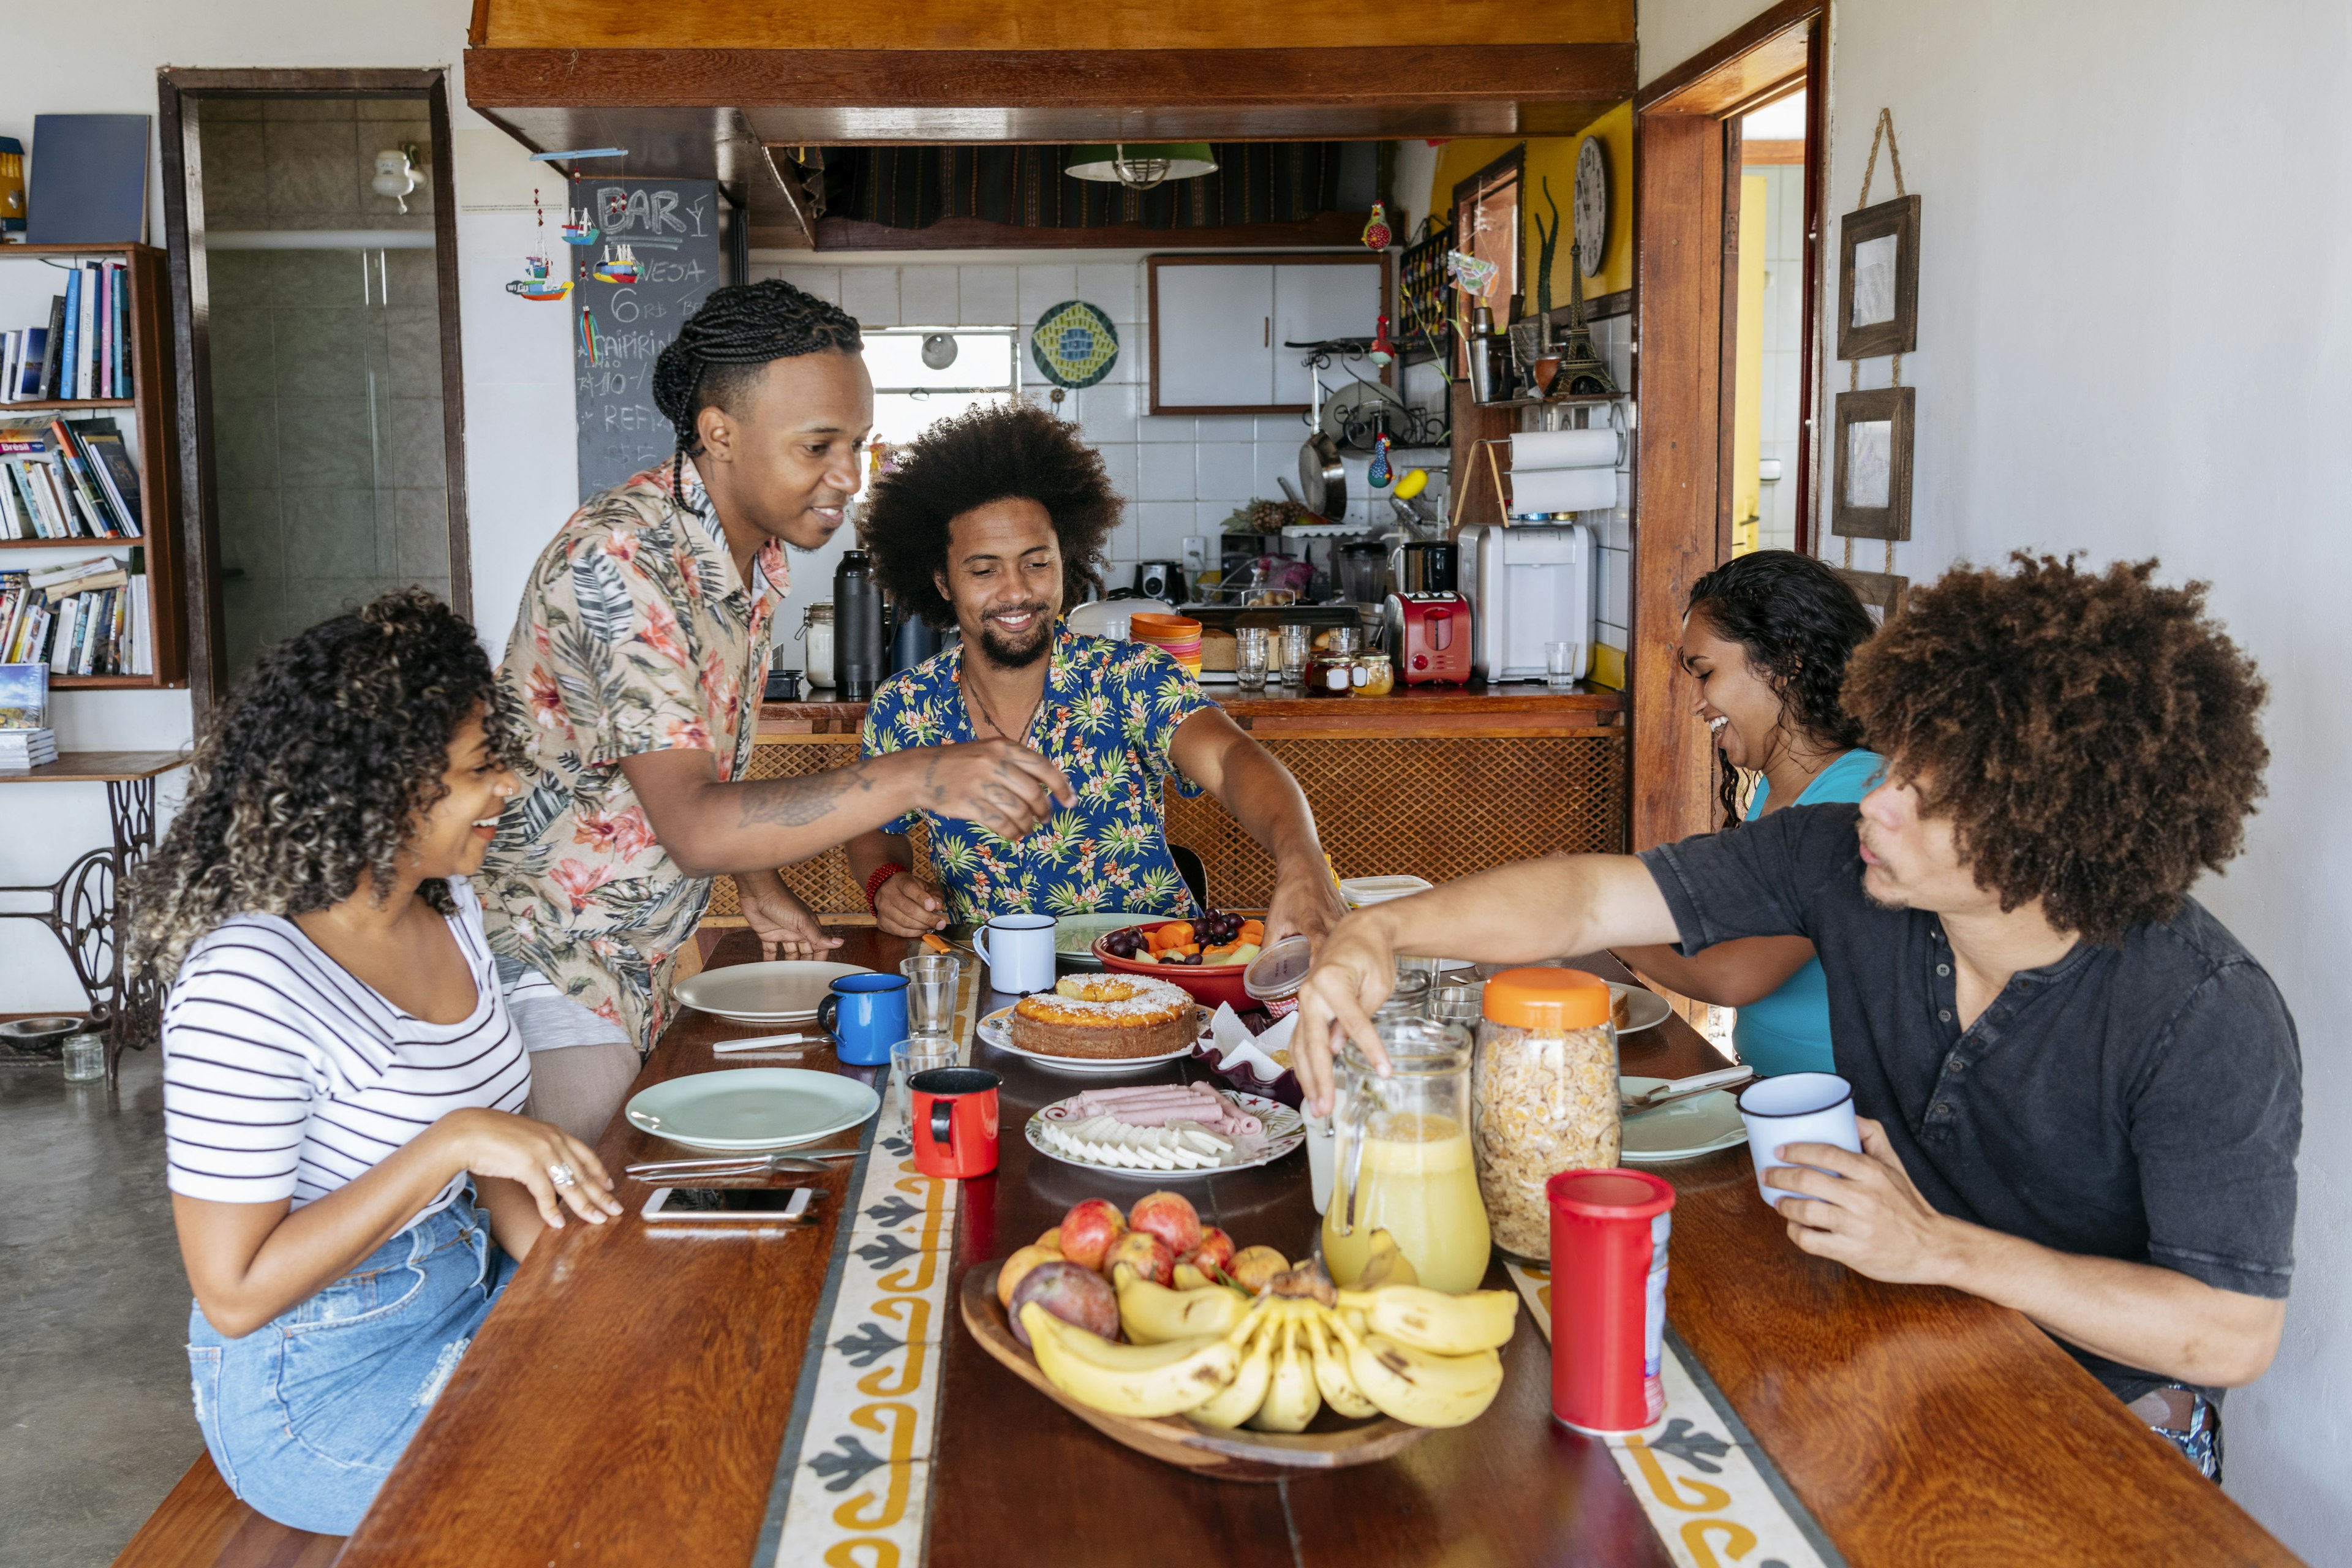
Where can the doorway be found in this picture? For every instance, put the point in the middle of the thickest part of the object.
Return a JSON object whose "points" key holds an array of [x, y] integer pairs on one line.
{"points": [[314, 261], [1705, 264]]}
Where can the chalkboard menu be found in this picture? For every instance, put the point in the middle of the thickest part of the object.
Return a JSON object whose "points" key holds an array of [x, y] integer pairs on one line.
{"points": [[619, 328]]}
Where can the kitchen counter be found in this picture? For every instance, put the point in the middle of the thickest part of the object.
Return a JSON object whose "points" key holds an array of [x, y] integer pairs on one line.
{"points": [[1429, 780]]}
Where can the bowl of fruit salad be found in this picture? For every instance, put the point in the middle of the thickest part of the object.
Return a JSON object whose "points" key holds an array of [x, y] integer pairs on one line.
{"points": [[1204, 955]]}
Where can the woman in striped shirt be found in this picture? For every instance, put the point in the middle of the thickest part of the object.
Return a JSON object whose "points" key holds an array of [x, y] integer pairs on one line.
{"points": [[350, 1177]]}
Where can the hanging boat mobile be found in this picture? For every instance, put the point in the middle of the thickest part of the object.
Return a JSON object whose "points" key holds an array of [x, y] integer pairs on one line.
{"points": [[579, 228], [592, 341], [619, 264], [535, 283]]}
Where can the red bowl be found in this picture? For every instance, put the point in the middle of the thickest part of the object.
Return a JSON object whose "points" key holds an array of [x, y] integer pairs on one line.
{"points": [[1209, 983]]}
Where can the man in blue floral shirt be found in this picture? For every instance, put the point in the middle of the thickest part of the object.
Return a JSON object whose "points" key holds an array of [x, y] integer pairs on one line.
{"points": [[993, 522]]}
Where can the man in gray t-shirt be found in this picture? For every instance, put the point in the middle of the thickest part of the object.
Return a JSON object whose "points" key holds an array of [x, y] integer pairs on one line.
{"points": [[2082, 1097]]}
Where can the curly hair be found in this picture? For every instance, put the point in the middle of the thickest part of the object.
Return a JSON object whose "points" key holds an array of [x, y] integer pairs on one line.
{"points": [[1015, 450], [2093, 736], [1798, 621], [326, 754], [718, 353]]}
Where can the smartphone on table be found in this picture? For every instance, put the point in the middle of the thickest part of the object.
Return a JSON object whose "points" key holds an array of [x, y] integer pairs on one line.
{"points": [[726, 1205]]}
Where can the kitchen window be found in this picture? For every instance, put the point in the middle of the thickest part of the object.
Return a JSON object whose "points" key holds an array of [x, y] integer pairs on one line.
{"points": [[913, 393]]}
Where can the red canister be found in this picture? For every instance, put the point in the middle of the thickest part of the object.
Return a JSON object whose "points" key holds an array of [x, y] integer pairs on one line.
{"points": [[1609, 1230]]}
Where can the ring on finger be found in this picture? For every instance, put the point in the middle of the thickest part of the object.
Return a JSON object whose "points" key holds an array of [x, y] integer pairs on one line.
{"points": [[562, 1173]]}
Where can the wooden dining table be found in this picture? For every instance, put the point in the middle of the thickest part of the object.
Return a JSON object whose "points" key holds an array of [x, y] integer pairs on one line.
{"points": [[628, 1400]]}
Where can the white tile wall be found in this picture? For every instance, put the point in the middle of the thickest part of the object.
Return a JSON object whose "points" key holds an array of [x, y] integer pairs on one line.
{"points": [[1181, 476]]}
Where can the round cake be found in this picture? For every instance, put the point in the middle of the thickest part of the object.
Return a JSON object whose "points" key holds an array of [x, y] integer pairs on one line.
{"points": [[1106, 1018]]}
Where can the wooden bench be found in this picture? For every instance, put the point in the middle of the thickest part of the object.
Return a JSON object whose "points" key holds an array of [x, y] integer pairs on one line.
{"points": [[202, 1525]]}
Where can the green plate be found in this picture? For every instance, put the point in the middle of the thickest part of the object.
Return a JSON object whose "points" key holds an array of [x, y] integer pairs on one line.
{"points": [[752, 1108], [1074, 935]]}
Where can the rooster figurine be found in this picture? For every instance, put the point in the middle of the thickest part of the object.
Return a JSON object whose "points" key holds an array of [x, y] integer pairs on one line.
{"points": [[1382, 351], [1376, 228]]}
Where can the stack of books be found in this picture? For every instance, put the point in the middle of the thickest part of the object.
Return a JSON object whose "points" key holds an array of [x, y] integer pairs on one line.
{"points": [[84, 351], [26, 741], [86, 618], [62, 481]]}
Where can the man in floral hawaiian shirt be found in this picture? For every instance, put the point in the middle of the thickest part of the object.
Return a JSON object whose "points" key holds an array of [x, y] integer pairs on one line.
{"points": [[993, 522], [639, 657]]}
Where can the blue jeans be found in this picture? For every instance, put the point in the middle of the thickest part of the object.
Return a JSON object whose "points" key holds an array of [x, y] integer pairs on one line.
{"points": [[305, 1416]]}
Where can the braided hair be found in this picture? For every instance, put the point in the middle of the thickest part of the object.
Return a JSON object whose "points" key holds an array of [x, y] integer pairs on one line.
{"points": [[718, 355], [1798, 621]]}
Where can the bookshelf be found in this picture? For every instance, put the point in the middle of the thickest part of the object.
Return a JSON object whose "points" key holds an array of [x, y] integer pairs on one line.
{"points": [[154, 428]]}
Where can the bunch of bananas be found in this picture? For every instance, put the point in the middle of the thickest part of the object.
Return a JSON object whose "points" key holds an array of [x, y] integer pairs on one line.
{"points": [[1224, 1358]]}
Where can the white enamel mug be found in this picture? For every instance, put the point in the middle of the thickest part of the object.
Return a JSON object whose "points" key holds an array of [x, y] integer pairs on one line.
{"points": [[1795, 1108], [1019, 953]]}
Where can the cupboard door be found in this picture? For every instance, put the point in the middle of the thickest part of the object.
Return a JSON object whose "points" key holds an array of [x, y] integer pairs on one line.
{"points": [[1213, 333], [1317, 300]]}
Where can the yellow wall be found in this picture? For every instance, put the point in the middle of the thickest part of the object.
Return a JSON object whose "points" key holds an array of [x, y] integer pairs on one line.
{"points": [[1554, 158], [1747, 384]]}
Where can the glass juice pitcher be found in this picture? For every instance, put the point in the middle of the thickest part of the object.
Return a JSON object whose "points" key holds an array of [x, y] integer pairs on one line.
{"points": [[1403, 1159]]}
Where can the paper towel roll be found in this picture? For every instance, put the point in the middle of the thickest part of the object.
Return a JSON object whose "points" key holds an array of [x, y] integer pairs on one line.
{"points": [[1563, 489], [1563, 449]]}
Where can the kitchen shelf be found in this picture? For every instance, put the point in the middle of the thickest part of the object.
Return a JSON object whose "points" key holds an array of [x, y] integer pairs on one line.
{"points": [[109, 683]]}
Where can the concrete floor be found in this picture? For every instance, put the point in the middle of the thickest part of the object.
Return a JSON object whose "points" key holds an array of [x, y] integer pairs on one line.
{"points": [[95, 1423]]}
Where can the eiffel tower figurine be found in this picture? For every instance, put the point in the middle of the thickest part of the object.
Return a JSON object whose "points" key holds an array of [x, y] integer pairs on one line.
{"points": [[1581, 372]]}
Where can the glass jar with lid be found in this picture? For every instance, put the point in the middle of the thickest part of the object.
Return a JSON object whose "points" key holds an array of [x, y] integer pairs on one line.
{"points": [[1402, 1158], [1372, 676], [1543, 1096], [816, 631]]}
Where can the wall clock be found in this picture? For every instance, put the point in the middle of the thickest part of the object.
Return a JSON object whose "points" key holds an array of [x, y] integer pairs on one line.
{"points": [[1591, 205]]}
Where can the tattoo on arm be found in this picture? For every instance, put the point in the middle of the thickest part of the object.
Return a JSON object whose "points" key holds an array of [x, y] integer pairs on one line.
{"points": [[796, 803]]}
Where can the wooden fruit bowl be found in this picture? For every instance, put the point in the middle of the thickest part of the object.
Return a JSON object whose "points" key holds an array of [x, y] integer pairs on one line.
{"points": [[1240, 1455]]}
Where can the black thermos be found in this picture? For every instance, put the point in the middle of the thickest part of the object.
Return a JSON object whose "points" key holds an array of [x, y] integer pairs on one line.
{"points": [[913, 640], [860, 640]]}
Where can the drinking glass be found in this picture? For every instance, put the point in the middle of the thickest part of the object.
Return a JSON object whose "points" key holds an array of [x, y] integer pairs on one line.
{"points": [[907, 1058], [1560, 665], [931, 979], [1297, 644], [1252, 647]]}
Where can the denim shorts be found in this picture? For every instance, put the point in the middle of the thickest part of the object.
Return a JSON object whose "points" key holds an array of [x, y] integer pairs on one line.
{"points": [[305, 1416]]}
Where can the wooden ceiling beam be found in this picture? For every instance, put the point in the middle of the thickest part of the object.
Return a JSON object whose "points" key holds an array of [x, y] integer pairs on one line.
{"points": [[919, 82]]}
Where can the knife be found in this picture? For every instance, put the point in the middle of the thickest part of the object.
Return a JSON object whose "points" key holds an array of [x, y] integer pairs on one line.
{"points": [[1683, 1088]]}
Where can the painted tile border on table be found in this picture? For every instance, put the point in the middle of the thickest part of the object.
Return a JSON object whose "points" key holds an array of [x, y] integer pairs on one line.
{"points": [[870, 1379], [1712, 1499]]}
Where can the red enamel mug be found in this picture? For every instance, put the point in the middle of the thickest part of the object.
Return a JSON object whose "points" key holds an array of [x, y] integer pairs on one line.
{"points": [[954, 1121]]}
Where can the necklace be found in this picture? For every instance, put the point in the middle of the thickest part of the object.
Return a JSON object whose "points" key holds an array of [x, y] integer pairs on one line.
{"points": [[971, 690]]}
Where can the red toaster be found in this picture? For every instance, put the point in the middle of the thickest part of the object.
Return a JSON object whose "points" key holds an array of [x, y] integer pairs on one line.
{"points": [[1429, 637]]}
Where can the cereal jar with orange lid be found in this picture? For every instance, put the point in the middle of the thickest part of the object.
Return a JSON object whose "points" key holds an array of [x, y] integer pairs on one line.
{"points": [[1543, 1095]]}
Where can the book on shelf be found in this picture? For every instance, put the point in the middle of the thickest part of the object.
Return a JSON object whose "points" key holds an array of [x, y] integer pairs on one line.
{"points": [[84, 351], [24, 697], [86, 618], [36, 748], [71, 480], [103, 441]]}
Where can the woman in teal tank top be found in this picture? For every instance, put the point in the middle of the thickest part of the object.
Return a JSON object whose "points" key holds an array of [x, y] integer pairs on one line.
{"points": [[1765, 636]]}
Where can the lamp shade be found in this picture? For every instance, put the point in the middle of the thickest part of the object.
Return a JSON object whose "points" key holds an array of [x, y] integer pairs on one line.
{"points": [[1142, 166]]}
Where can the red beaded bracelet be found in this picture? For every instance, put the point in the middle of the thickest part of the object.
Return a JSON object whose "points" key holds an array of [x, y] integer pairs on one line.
{"points": [[874, 883]]}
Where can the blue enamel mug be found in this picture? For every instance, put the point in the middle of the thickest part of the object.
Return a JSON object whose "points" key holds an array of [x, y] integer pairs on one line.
{"points": [[865, 1015]]}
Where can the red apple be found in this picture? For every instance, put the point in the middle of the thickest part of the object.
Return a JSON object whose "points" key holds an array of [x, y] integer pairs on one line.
{"points": [[1216, 1251], [1146, 1254], [1088, 1229], [1171, 1217], [1072, 1294]]}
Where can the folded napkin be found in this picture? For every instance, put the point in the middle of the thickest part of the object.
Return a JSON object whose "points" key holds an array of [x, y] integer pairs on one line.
{"points": [[1234, 1048]]}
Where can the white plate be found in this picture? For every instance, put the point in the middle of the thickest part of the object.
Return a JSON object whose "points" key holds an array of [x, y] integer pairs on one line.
{"points": [[1682, 1131], [751, 1108], [1643, 1006], [786, 991], [1284, 1130], [996, 1029]]}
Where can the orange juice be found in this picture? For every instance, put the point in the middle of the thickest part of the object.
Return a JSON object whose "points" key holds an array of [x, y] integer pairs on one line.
{"points": [[1420, 1186]]}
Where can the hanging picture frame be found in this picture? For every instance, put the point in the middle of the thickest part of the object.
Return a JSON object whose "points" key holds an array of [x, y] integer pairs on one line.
{"points": [[1878, 280], [1871, 496], [1882, 593]]}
